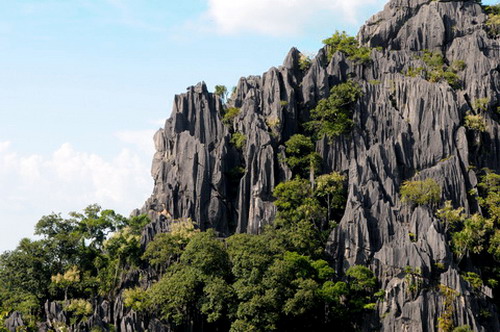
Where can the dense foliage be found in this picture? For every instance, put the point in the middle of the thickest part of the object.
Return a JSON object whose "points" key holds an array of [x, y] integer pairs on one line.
{"points": [[278, 280], [341, 42], [436, 69], [421, 192], [76, 258], [333, 115], [493, 22], [301, 156], [477, 237]]}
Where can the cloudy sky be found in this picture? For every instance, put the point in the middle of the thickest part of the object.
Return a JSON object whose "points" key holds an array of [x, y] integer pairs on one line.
{"points": [[84, 84]]}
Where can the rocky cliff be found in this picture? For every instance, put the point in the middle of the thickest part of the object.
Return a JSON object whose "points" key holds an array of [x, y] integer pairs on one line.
{"points": [[406, 127]]}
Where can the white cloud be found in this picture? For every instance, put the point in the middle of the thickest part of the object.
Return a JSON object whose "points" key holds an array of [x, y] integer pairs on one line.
{"points": [[280, 17], [66, 180], [142, 139]]}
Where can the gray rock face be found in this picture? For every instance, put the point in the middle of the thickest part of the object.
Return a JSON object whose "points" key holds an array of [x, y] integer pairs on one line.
{"points": [[406, 128], [14, 322]]}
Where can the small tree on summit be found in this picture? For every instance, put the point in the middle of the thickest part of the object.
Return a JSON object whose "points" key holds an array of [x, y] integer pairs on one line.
{"points": [[221, 91]]}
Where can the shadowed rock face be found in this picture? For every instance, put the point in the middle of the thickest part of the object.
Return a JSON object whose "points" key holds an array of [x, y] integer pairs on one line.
{"points": [[406, 127]]}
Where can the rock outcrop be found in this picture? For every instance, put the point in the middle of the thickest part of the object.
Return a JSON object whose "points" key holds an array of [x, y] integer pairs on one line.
{"points": [[406, 127]]}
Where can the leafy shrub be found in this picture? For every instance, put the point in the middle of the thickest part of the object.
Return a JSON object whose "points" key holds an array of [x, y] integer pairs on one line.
{"points": [[475, 122], [452, 79], [236, 172], [304, 62], [413, 278], [481, 104], [457, 66], [436, 70], [451, 217], [445, 321], [332, 188], [332, 116], [230, 114], [79, 307], [433, 59], [420, 192], [348, 45], [221, 91], [440, 266], [414, 72], [363, 278], [472, 236], [413, 237], [493, 22], [134, 298], [166, 248], [272, 122], [291, 194], [474, 280], [238, 140]]}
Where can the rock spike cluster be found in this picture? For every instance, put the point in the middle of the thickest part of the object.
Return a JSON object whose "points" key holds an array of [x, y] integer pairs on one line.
{"points": [[406, 127]]}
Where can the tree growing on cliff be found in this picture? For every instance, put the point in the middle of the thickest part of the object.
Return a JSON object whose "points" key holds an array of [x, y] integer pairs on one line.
{"points": [[301, 157], [333, 115]]}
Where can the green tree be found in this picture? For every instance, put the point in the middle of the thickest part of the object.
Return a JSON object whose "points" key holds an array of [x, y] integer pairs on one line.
{"points": [[221, 91], [331, 187], [207, 254], [341, 42], [301, 157], [451, 218], [70, 278], [333, 115]]}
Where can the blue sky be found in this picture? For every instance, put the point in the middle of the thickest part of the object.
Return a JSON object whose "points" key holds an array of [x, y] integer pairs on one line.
{"points": [[85, 83]]}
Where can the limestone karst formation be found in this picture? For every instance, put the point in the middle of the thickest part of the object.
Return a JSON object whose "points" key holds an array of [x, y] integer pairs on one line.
{"points": [[406, 126]]}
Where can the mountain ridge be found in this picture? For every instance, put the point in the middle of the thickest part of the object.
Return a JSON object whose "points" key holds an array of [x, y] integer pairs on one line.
{"points": [[427, 112], [404, 139]]}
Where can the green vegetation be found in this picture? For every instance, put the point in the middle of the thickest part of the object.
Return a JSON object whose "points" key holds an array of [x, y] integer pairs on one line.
{"points": [[474, 122], [480, 105], [79, 309], [230, 114], [493, 22], [413, 237], [331, 189], [301, 156], [450, 217], [238, 140], [273, 122], [414, 72], [304, 62], [436, 69], [333, 115], [341, 42], [75, 259], [421, 192], [477, 236], [474, 280], [278, 280], [221, 91], [413, 279], [445, 321]]}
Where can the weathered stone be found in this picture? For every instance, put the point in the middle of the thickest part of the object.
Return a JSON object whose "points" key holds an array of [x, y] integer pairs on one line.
{"points": [[405, 128], [14, 322]]}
